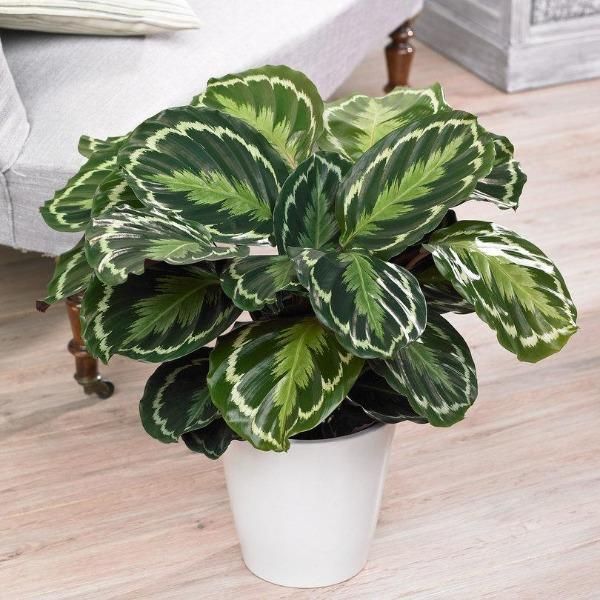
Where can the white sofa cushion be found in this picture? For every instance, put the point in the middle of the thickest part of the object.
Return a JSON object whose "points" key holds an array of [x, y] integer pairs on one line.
{"points": [[100, 17], [73, 85]]}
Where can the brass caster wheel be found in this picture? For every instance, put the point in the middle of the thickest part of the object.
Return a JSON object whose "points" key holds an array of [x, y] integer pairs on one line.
{"points": [[102, 388]]}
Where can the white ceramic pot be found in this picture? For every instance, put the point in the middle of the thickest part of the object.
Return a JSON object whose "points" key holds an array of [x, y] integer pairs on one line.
{"points": [[306, 518]]}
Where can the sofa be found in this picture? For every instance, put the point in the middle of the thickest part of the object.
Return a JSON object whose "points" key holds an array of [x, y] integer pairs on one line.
{"points": [[54, 88]]}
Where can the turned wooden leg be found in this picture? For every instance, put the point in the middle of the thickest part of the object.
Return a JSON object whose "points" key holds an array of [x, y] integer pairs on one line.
{"points": [[86, 366], [399, 54]]}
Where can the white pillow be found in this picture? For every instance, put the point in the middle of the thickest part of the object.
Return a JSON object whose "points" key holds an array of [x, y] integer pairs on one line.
{"points": [[100, 17]]}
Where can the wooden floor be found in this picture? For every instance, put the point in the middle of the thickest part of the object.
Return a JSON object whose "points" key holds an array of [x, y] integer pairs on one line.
{"points": [[504, 505]]}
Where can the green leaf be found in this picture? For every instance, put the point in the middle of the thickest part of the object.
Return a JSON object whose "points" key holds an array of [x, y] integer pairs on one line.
{"points": [[304, 260], [119, 242], [212, 440], [403, 186], [163, 314], [207, 167], [70, 208], [283, 104], [304, 214], [113, 191], [254, 281], [355, 124], [439, 293], [89, 145], [504, 183], [273, 379], [376, 398], [373, 307], [71, 275], [176, 398], [436, 373], [346, 419], [512, 284]]}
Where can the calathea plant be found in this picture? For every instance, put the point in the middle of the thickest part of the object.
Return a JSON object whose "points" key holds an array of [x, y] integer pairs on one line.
{"points": [[351, 204]]}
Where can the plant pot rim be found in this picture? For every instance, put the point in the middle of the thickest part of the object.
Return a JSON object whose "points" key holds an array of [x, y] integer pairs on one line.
{"points": [[342, 438], [369, 429]]}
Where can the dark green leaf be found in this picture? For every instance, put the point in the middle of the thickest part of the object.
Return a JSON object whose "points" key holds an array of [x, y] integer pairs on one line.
{"points": [[176, 398], [304, 215], [212, 440], [436, 373], [402, 187], [120, 241], [512, 284], [273, 379], [283, 104], [373, 307], [376, 398], [163, 314], [209, 168]]}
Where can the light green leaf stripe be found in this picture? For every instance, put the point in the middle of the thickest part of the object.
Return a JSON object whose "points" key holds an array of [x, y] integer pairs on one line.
{"points": [[254, 281], [113, 191], [163, 314], [380, 401], [119, 242], [70, 208], [176, 398], [273, 379], [208, 167], [88, 145], [374, 307], [355, 124], [436, 373], [504, 183], [282, 104], [402, 187], [71, 275], [512, 284], [211, 440], [304, 214]]}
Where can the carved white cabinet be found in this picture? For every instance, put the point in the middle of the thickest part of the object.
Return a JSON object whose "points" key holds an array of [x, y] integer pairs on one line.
{"points": [[516, 44]]}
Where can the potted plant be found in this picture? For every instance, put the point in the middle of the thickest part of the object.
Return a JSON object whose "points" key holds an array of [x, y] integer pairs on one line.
{"points": [[350, 204]]}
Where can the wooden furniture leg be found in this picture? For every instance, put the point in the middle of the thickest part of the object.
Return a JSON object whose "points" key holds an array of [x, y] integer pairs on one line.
{"points": [[399, 55], [86, 366]]}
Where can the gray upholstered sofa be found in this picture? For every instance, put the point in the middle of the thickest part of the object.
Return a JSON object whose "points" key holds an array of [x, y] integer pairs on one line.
{"points": [[56, 87]]}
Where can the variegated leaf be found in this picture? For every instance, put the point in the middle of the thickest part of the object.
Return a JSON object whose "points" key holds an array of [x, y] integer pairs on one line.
{"points": [[273, 379], [304, 260], [208, 167], [376, 398], [346, 419], [71, 275], [504, 183], [439, 293], [283, 104], [254, 281], [88, 145], [70, 208], [119, 242], [176, 398], [354, 124], [512, 284], [163, 314], [403, 186], [212, 440], [374, 307], [304, 214], [113, 191], [436, 373]]}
